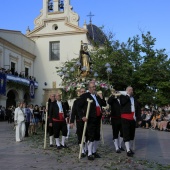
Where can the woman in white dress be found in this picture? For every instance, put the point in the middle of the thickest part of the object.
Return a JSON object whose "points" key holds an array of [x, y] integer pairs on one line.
{"points": [[19, 119]]}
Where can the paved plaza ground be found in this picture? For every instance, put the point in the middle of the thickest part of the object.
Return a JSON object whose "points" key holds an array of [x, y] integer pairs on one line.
{"points": [[152, 152]]}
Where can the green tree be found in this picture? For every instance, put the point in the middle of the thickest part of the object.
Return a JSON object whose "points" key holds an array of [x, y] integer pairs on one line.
{"points": [[135, 62]]}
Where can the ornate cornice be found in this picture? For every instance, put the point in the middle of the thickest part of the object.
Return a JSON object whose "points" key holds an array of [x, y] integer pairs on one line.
{"points": [[13, 58], [78, 30], [27, 63], [57, 34]]}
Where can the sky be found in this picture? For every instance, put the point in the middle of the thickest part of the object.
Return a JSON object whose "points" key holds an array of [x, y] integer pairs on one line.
{"points": [[124, 18]]}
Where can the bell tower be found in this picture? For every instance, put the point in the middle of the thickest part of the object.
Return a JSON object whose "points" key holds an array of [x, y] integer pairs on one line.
{"points": [[53, 9], [50, 6]]}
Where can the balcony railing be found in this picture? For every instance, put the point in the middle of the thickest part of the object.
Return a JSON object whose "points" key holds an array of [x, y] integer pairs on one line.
{"points": [[20, 80]]}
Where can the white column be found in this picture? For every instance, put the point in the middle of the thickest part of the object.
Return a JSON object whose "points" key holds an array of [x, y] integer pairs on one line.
{"points": [[45, 7], [55, 5]]}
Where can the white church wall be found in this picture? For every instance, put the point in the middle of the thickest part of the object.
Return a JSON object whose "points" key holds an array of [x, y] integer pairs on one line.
{"points": [[45, 70]]}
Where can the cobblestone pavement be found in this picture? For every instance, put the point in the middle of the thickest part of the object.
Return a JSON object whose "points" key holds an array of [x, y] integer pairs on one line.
{"points": [[152, 152]]}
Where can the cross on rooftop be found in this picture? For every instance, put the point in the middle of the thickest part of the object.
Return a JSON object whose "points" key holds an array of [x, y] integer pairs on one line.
{"points": [[90, 16]]}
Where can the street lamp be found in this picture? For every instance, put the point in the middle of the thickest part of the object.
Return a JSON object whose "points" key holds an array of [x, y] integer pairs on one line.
{"points": [[95, 74], [72, 69], [107, 65], [78, 63], [108, 70], [83, 68], [66, 75]]}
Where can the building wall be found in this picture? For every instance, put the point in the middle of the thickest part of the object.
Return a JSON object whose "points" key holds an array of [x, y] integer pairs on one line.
{"points": [[13, 50], [69, 34], [45, 70], [33, 51]]}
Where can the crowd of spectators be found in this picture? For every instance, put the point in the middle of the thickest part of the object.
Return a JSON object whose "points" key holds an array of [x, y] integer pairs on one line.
{"points": [[15, 73], [2, 113], [34, 117], [156, 119]]}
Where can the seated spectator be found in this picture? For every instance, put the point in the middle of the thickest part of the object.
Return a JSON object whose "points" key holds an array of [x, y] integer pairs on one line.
{"points": [[164, 122], [168, 127], [154, 120], [143, 114], [146, 122]]}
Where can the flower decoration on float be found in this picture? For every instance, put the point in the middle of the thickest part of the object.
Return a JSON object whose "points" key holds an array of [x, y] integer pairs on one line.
{"points": [[80, 71]]}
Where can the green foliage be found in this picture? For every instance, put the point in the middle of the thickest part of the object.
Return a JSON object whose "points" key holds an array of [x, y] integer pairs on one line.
{"points": [[136, 63]]}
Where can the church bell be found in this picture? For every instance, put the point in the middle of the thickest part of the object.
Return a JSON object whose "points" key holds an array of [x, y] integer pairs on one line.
{"points": [[50, 6], [61, 5]]}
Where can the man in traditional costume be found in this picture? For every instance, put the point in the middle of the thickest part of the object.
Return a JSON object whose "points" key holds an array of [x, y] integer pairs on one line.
{"points": [[50, 128], [79, 122], [94, 119], [114, 103], [130, 113], [57, 120]]}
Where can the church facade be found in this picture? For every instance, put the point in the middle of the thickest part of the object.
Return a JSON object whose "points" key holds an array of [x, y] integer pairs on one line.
{"points": [[55, 39]]}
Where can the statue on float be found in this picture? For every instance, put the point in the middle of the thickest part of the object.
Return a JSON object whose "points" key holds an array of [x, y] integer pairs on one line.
{"points": [[85, 60]]}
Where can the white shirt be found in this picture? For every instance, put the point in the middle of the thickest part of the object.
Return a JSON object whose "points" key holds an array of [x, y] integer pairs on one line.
{"points": [[132, 106], [60, 106], [94, 97]]}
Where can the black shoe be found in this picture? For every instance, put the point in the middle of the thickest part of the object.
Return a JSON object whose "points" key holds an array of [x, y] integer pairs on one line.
{"points": [[91, 157], [51, 145], [132, 152], [96, 155], [65, 146], [118, 151], [83, 155], [122, 149], [59, 147], [129, 153]]}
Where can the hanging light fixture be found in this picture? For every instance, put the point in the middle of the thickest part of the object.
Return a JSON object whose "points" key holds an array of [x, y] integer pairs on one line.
{"points": [[64, 69], [72, 69], [107, 65], [60, 73], [109, 70], [66, 75], [83, 68], [78, 63], [95, 74]]}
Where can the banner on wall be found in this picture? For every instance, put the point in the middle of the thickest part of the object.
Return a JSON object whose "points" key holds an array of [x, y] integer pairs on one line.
{"points": [[32, 89], [2, 84]]}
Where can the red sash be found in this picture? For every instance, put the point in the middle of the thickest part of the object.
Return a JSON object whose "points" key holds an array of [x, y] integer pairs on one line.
{"points": [[61, 117], [98, 111], [128, 116]]}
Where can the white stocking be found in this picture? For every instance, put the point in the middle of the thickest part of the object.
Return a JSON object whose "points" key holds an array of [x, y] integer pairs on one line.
{"points": [[51, 140], [116, 144], [90, 145], [57, 141], [127, 144]]}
